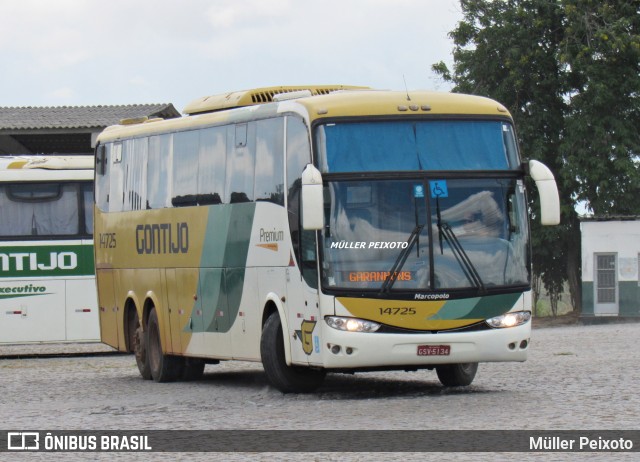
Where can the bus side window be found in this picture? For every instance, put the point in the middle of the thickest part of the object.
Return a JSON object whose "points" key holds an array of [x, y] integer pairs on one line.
{"points": [[159, 171], [101, 160], [186, 146], [213, 165], [87, 201], [241, 157], [116, 181], [135, 170], [102, 178], [269, 176]]}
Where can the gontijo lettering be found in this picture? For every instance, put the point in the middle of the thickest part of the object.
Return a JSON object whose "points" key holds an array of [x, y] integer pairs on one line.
{"points": [[23, 261], [162, 238]]}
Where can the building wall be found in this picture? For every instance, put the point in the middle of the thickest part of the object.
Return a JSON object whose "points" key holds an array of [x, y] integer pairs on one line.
{"points": [[622, 239]]}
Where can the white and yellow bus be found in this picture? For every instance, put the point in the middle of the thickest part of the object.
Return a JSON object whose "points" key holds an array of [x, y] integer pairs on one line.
{"points": [[47, 285], [317, 229]]}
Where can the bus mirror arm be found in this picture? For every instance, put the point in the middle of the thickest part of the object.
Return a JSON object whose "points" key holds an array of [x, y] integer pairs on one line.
{"points": [[312, 199], [548, 192]]}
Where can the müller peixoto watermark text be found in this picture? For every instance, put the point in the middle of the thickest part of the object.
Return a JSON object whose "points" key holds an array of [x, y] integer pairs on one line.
{"points": [[369, 245], [583, 443]]}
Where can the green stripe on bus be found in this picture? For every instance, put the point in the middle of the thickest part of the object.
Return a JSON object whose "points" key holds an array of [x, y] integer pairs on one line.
{"points": [[223, 266], [494, 305], [476, 308], [46, 260]]}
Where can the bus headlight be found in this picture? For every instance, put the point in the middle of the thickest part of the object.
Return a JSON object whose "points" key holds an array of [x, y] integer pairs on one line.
{"points": [[351, 324], [510, 319]]}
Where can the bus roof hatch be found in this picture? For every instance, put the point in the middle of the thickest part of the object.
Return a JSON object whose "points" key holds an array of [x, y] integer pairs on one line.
{"points": [[256, 96]]}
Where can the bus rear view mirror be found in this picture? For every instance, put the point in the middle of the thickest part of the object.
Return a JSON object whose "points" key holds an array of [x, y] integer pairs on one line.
{"points": [[312, 199], [548, 192]]}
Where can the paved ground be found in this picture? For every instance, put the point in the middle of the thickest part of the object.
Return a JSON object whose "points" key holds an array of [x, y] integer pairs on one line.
{"points": [[577, 377]]}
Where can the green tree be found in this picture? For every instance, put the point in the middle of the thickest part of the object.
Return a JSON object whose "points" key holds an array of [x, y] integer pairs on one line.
{"points": [[568, 72], [601, 54]]}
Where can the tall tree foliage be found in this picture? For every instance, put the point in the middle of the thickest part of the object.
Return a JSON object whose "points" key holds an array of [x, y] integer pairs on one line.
{"points": [[568, 70]]}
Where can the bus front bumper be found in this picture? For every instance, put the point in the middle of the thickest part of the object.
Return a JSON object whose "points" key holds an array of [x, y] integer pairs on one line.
{"points": [[354, 350]]}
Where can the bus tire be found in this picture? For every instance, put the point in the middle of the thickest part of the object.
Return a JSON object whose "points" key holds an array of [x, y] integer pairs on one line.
{"points": [[140, 349], [457, 375], [287, 379], [164, 368], [193, 369]]}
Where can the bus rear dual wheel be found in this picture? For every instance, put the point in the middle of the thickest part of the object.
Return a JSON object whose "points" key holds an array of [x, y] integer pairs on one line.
{"points": [[161, 367], [137, 339]]}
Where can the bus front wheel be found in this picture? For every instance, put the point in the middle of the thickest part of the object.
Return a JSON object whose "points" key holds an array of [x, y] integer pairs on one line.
{"points": [[164, 368], [287, 379], [457, 375]]}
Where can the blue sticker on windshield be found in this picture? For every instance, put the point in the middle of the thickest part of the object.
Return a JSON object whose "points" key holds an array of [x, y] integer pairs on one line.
{"points": [[418, 190], [438, 188]]}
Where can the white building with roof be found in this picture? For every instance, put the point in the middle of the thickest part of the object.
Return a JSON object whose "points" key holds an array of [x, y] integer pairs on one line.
{"points": [[610, 262]]}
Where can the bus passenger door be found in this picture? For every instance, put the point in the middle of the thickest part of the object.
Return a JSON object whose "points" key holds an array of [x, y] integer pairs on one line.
{"points": [[107, 309], [243, 318], [215, 317], [301, 275], [177, 317], [185, 314], [302, 303]]}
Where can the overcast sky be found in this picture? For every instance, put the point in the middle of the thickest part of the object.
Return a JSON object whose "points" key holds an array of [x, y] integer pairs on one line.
{"points": [[92, 52]]}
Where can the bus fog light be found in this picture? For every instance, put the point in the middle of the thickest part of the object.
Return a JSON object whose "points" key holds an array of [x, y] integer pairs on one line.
{"points": [[510, 319], [351, 324]]}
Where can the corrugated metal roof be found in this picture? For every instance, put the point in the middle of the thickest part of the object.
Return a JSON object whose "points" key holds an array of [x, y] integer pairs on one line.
{"points": [[77, 117]]}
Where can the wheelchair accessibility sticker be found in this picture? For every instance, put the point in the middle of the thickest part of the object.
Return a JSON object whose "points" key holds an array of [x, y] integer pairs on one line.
{"points": [[438, 189]]}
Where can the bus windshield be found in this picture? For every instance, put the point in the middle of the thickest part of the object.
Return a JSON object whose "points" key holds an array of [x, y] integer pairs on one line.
{"points": [[473, 237], [416, 145], [463, 232]]}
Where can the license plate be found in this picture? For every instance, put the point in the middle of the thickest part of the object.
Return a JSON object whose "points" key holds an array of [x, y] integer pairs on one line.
{"points": [[434, 350]]}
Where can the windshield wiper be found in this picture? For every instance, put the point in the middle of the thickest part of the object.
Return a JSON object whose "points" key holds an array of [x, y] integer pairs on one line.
{"points": [[402, 258], [469, 270], [463, 259]]}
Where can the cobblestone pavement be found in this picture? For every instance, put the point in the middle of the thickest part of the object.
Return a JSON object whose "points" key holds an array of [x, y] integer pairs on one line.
{"points": [[576, 378]]}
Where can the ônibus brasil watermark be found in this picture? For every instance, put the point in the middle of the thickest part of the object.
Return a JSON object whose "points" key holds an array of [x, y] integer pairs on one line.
{"points": [[316, 441]]}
